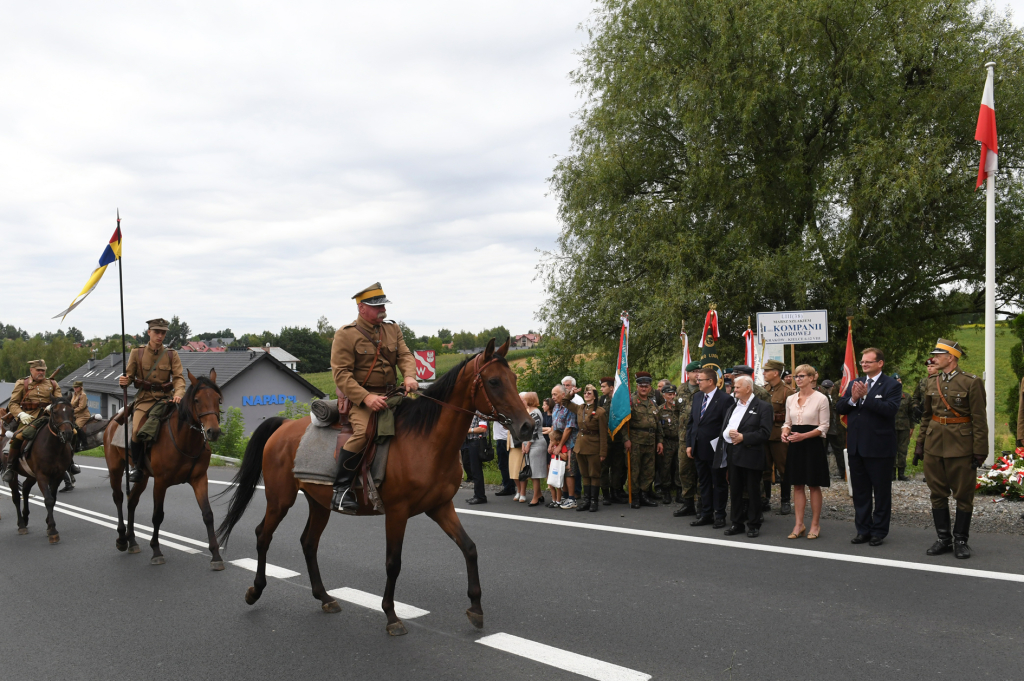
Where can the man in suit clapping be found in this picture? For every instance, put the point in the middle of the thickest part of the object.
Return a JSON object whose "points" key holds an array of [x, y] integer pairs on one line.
{"points": [[707, 418], [870, 405], [748, 425]]}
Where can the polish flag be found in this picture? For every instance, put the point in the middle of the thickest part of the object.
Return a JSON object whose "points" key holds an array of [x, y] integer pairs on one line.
{"points": [[986, 134], [849, 365]]}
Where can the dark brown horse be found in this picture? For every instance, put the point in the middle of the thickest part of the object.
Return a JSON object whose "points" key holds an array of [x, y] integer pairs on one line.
{"points": [[180, 454], [49, 457], [423, 473]]}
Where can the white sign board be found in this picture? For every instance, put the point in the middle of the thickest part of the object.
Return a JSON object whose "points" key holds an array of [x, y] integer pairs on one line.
{"points": [[776, 351], [793, 328]]}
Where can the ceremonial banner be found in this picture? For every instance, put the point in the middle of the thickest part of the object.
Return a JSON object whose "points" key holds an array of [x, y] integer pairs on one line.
{"points": [[426, 367], [708, 338], [111, 252], [849, 365], [749, 353], [686, 357], [986, 133], [620, 412]]}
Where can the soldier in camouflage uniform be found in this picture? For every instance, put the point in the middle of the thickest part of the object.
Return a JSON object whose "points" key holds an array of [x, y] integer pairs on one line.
{"points": [[31, 396], [613, 468], [904, 428], [917, 401], [687, 476], [645, 441], [668, 462]]}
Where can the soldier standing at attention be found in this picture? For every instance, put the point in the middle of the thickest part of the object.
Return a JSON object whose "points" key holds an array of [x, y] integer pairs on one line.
{"points": [[904, 429], [364, 357], [917, 401], [778, 391], [31, 395], [156, 372], [645, 440], [953, 442], [668, 462], [687, 479], [613, 467]]}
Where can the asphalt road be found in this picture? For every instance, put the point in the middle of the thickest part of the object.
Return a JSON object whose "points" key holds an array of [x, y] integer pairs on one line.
{"points": [[656, 604]]}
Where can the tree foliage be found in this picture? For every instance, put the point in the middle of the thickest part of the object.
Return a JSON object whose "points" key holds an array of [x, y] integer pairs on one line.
{"points": [[784, 154], [312, 348], [178, 333]]}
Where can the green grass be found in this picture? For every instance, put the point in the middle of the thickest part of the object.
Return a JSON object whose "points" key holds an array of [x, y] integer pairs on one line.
{"points": [[95, 451]]}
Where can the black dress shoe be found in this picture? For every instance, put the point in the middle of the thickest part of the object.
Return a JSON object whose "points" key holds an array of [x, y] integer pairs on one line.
{"points": [[685, 510], [766, 506], [702, 520], [753, 532], [646, 500], [860, 539], [504, 492], [74, 469], [876, 541], [719, 523], [785, 508], [733, 530], [636, 502], [476, 500]]}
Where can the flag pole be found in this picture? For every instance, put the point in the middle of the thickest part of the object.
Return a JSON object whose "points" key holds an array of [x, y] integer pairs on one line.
{"points": [[990, 301], [124, 366]]}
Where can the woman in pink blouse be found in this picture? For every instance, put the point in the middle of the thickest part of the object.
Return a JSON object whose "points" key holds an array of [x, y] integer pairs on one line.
{"points": [[805, 430]]}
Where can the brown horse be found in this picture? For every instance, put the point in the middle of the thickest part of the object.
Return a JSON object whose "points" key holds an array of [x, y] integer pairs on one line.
{"points": [[181, 454], [423, 473], [48, 459]]}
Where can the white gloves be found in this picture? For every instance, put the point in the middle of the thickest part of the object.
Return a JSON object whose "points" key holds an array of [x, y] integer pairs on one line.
{"points": [[25, 418]]}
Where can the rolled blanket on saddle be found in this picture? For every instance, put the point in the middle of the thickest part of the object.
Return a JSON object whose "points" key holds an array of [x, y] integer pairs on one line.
{"points": [[323, 412]]}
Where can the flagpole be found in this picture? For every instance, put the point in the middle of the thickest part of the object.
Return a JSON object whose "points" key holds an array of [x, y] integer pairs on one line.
{"points": [[990, 301], [124, 365]]}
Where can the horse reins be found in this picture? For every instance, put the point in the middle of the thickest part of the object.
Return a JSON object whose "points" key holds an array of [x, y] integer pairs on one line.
{"points": [[478, 381], [192, 424], [59, 434]]}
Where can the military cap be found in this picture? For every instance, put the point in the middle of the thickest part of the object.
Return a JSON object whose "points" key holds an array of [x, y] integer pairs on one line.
{"points": [[668, 389], [37, 364], [608, 379], [372, 295], [742, 369], [827, 384], [78, 384], [895, 375], [693, 366], [948, 347], [786, 372], [727, 381], [643, 378], [160, 324], [774, 365]]}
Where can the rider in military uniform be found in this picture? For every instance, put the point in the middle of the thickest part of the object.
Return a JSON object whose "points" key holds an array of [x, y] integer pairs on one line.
{"points": [[778, 391], [645, 441], [29, 400], [156, 373], [953, 442], [668, 462], [80, 403], [904, 428], [364, 357]]}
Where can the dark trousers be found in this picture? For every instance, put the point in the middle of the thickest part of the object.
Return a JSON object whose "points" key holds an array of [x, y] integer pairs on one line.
{"points": [[613, 468], [744, 480], [714, 490], [502, 447], [835, 442], [872, 486], [474, 467]]}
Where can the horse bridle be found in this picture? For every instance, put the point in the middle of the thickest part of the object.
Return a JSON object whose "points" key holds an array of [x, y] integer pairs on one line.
{"points": [[478, 383], [62, 435], [197, 425]]}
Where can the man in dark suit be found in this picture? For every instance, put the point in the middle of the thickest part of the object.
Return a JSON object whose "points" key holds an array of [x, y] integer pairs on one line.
{"points": [[748, 425], [870, 405], [707, 417]]}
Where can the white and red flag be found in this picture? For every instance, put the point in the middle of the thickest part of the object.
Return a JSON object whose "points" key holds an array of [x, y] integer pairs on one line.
{"points": [[986, 134], [686, 356], [748, 344], [849, 365], [710, 331]]}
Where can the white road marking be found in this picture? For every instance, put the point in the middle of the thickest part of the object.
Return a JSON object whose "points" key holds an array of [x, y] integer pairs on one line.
{"points": [[61, 507], [272, 570], [372, 601], [563, 659], [865, 560], [210, 480]]}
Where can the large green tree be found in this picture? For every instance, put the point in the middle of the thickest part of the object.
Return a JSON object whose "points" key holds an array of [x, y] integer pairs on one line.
{"points": [[784, 154]]}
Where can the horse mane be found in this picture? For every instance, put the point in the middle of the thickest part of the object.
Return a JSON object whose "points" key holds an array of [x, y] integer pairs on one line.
{"points": [[420, 416], [184, 412]]}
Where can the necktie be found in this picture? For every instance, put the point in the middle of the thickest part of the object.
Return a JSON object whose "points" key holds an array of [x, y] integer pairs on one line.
{"points": [[868, 382], [703, 406]]}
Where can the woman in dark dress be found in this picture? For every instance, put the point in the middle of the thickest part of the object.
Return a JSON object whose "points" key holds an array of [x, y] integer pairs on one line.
{"points": [[805, 429]]}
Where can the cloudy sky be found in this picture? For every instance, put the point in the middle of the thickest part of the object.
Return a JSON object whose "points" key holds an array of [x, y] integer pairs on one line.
{"points": [[271, 159]]}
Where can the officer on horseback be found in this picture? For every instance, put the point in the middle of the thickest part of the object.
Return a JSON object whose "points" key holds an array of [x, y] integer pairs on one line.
{"points": [[29, 402], [364, 356], [156, 373]]}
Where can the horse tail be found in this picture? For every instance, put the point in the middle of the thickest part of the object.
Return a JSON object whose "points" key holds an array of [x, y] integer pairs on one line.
{"points": [[248, 476]]}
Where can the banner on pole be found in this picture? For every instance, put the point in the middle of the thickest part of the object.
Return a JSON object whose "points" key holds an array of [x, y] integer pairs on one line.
{"points": [[620, 412]]}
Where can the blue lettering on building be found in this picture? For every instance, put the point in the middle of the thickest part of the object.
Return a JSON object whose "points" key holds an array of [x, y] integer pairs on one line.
{"points": [[260, 400]]}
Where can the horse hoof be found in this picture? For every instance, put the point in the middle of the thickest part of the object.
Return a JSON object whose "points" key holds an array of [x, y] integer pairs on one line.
{"points": [[121, 545], [134, 549], [22, 530], [217, 565], [397, 629], [251, 595], [157, 560], [54, 538], [331, 607], [476, 618]]}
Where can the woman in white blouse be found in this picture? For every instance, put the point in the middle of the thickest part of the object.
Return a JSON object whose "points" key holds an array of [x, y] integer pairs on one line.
{"points": [[805, 430]]}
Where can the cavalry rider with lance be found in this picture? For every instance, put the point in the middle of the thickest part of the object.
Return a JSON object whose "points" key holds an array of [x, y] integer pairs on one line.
{"points": [[364, 356], [30, 400], [156, 373]]}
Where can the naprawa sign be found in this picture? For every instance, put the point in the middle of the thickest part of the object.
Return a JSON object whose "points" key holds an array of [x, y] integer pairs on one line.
{"points": [[793, 328]]}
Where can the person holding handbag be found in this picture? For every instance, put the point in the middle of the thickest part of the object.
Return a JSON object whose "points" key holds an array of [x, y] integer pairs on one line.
{"points": [[562, 440], [591, 446], [535, 456]]}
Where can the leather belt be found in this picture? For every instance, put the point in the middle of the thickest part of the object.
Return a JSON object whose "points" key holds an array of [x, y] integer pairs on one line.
{"points": [[379, 389], [28, 405], [152, 387], [951, 419], [588, 432], [643, 430]]}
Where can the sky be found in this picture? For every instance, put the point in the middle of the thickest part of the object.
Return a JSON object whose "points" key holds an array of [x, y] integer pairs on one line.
{"points": [[269, 160]]}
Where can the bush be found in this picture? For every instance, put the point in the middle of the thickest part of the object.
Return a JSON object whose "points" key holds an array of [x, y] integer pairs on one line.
{"points": [[294, 410], [232, 440]]}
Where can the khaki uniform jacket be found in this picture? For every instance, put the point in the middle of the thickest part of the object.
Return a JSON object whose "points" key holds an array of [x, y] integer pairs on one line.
{"points": [[644, 422], [966, 394], [917, 399], [778, 396], [168, 370], [32, 396], [81, 404], [592, 436], [903, 416], [352, 358], [669, 415]]}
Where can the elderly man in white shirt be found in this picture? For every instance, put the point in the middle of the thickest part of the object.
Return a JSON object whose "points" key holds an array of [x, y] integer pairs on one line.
{"points": [[569, 383], [748, 425]]}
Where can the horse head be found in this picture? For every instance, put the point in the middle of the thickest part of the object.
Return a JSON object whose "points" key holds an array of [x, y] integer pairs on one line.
{"points": [[62, 419], [202, 405], [495, 394]]}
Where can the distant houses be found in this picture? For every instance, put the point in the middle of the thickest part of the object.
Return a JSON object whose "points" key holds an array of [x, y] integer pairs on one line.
{"points": [[525, 341]]}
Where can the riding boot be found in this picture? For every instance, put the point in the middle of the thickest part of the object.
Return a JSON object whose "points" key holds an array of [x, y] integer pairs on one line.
{"points": [[945, 541], [138, 456], [344, 499], [11, 472], [961, 532], [584, 502], [594, 489], [607, 491], [69, 481]]}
